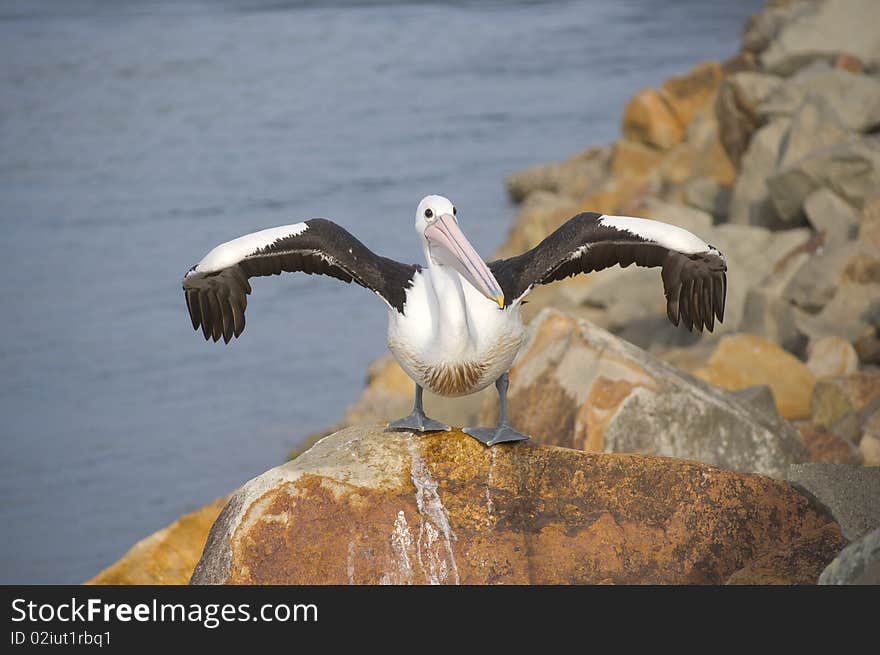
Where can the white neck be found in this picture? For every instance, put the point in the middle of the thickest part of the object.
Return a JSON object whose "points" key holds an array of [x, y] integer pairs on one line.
{"points": [[451, 319]]}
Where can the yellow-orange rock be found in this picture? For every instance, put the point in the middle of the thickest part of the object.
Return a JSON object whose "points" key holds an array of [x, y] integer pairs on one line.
{"points": [[701, 155], [368, 507], [577, 385], [692, 92], [748, 360], [833, 398], [648, 119], [167, 556], [633, 158], [798, 563], [660, 118]]}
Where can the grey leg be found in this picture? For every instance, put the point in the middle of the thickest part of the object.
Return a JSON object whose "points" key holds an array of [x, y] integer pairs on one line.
{"points": [[501, 432], [417, 421]]}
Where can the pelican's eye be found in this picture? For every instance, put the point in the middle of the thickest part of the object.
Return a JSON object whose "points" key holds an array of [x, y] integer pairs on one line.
{"points": [[429, 213], [454, 211]]}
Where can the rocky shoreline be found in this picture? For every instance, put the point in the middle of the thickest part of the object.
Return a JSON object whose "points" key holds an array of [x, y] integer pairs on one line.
{"points": [[772, 156]]}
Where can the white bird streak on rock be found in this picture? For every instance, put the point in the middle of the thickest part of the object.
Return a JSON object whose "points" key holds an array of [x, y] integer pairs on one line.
{"points": [[432, 515], [490, 506], [350, 563], [401, 544]]}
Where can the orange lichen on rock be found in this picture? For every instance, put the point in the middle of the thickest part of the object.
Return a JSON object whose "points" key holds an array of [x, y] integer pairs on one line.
{"points": [[369, 507]]}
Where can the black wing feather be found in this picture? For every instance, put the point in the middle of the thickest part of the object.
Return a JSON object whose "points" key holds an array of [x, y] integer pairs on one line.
{"points": [[695, 284], [217, 300]]}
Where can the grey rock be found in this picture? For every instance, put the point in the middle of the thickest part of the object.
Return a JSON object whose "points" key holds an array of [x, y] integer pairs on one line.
{"points": [[852, 302], [854, 99], [760, 397], [767, 311], [680, 423], [830, 214], [708, 195], [769, 315], [753, 254], [850, 169], [814, 125], [848, 491], [739, 97], [691, 219], [750, 203], [826, 30], [764, 26], [814, 285], [858, 563]]}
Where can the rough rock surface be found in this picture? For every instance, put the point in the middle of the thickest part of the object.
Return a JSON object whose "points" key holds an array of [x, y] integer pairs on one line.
{"points": [[577, 385], [858, 563], [800, 562], [366, 507], [167, 556], [849, 493]]}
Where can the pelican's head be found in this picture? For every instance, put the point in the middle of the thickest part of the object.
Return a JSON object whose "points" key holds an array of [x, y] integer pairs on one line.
{"points": [[446, 245]]}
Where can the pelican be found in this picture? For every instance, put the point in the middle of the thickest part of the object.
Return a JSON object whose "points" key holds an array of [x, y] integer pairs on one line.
{"points": [[454, 325]]}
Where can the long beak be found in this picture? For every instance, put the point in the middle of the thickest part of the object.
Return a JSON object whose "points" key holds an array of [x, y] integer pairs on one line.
{"points": [[450, 246]]}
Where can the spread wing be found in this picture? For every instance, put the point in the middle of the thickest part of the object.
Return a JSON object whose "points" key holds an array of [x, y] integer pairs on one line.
{"points": [[216, 288], [694, 273]]}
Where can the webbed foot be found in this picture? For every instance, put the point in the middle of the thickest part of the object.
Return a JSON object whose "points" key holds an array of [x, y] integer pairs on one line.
{"points": [[416, 422], [498, 434]]}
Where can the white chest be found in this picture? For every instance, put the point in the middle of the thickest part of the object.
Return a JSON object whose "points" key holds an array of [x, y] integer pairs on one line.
{"points": [[451, 339]]}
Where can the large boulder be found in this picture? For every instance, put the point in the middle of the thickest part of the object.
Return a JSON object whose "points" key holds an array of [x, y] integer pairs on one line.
{"points": [[167, 556], [368, 507], [823, 32], [577, 385]]}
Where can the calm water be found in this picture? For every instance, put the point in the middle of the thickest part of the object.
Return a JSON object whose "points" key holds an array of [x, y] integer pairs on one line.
{"points": [[135, 136]]}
